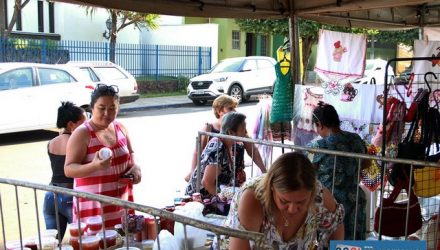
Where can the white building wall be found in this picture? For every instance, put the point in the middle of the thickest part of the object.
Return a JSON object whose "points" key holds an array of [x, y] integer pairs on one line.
{"points": [[190, 35]]}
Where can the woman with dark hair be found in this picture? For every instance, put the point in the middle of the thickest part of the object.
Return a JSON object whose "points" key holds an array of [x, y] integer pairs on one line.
{"points": [[218, 158], [345, 182], [102, 176], [289, 206], [69, 118]]}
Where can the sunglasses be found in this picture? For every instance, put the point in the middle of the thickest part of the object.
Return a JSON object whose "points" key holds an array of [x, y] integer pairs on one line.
{"points": [[103, 88], [315, 118]]}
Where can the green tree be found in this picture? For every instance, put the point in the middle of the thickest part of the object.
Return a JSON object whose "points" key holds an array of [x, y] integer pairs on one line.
{"points": [[120, 19], [309, 30]]}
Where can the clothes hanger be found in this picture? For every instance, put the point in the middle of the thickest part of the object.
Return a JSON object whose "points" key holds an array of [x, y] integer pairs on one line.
{"points": [[426, 80]]}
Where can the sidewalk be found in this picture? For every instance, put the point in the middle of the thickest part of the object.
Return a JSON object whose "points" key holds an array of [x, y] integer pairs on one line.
{"points": [[157, 103]]}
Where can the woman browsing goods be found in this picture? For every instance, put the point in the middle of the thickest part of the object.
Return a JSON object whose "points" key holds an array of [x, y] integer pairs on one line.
{"points": [[69, 118], [102, 176], [289, 206]]}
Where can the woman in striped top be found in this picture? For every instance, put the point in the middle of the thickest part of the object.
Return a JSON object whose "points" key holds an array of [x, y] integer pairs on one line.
{"points": [[102, 176]]}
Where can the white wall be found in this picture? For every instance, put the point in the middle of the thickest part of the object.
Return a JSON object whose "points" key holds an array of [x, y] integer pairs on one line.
{"points": [[190, 35], [72, 23]]}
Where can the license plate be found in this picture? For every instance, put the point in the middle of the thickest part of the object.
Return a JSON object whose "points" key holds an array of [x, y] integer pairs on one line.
{"points": [[199, 92]]}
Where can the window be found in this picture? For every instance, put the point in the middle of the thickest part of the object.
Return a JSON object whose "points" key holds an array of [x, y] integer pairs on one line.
{"points": [[52, 76], [250, 65], [109, 73], [88, 72], [14, 79], [51, 18], [235, 39], [40, 16], [18, 24], [264, 43], [5, 6]]}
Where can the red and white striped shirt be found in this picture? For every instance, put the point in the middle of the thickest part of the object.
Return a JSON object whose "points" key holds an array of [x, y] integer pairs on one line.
{"points": [[105, 181]]}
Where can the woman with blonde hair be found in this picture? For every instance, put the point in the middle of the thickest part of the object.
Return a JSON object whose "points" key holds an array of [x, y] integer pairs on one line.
{"points": [[289, 206]]}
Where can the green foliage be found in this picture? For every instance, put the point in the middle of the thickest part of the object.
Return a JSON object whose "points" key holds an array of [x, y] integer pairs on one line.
{"points": [[310, 30]]}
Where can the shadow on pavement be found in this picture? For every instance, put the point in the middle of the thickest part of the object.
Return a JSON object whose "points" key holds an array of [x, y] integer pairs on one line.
{"points": [[27, 137]]}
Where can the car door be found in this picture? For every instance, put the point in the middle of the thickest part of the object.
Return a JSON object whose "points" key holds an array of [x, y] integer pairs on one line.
{"points": [[17, 100], [266, 72], [248, 75], [56, 86]]}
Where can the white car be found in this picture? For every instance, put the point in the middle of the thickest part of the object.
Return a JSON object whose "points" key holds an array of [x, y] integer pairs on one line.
{"points": [[30, 94], [110, 74], [375, 69], [239, 77]]}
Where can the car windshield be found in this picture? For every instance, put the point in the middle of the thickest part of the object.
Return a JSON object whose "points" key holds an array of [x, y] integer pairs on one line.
{"points": [[231, 65]]}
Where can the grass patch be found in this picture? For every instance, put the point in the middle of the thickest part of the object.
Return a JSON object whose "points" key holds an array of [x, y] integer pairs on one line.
{"points": [[173, 93]]}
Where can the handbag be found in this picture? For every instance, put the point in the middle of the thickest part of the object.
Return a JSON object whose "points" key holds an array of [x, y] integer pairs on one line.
{"points": [[427, 181], [394, 213]]}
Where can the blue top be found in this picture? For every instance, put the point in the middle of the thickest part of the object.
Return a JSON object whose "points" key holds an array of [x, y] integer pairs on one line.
{"points": [[346, 179]]}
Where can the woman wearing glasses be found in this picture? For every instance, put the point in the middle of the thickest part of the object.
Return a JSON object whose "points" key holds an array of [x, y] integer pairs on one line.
{"points": [[102, 176], [345, 179]]}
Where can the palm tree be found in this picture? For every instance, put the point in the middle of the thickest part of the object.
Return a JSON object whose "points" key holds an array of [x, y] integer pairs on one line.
{"points": [[124, 19]]}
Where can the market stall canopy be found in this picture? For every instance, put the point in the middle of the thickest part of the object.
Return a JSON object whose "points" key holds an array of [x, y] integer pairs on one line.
{"points": [[381, 14]]}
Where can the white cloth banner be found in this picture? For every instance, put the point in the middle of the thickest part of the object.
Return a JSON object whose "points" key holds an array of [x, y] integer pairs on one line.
{"points": [[340, 56], [425, 49]]}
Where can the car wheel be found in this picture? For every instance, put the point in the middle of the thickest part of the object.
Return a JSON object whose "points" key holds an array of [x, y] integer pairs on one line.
{"points": [[236, 92], [199, 102]]}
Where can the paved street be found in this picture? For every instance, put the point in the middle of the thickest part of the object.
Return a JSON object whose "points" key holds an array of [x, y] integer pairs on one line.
{"points": [[163, 139]]}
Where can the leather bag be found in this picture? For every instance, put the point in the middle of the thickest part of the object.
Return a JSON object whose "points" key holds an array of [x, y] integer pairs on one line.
{"points": [[394, 213]]}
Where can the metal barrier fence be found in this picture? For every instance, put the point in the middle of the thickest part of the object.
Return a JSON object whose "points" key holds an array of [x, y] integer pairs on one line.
{"points": [[147, 61], [375, 203], [160, 213]]}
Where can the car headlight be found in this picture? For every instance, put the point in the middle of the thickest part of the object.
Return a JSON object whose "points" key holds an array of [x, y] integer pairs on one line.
{"points": [[221, 79]]}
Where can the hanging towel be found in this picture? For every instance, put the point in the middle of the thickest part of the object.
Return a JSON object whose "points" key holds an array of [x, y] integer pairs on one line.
{"points": [[426, 49], [341, 56]]}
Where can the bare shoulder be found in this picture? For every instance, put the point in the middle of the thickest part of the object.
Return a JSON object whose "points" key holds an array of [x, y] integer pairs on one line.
{"points": [[250, 211], [329, 200]]}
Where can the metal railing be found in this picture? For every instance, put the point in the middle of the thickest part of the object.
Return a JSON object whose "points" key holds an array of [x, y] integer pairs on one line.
{"points": [[385, 160], [144, 61], [156, 212]]}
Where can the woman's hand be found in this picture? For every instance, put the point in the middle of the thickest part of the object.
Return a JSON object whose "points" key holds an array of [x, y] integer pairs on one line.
{"points": [[136, 172], [101, 164]]}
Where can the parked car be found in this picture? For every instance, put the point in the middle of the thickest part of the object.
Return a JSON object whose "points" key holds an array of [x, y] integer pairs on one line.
{"points": [[375, 69], [110, 74], [30, 94], [239, 77]]}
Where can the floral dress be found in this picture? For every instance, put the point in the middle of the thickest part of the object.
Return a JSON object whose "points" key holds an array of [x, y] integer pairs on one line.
{"points": [[313, 234], [346, 179], [215, 153]]}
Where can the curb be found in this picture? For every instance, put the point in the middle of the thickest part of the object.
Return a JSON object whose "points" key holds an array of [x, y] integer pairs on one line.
{"points": [[156, 106]]}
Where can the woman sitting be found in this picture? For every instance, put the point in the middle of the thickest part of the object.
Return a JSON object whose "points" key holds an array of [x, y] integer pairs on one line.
{"points": [[289, 206], [219, 157]]}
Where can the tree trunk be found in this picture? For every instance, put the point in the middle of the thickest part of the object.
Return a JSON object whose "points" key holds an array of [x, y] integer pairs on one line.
{"points": [[17, 7], [113, 36], [307, 44]]}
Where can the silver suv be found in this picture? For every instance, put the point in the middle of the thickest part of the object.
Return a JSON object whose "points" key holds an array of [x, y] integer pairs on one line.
{"points": [[239, 77]]}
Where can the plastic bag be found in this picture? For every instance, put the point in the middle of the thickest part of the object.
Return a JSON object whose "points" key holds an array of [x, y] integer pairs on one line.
{"points": [[196, 237], [167, 241]]}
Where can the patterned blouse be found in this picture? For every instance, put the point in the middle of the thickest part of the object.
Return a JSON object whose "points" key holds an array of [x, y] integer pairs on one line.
{"points": [[215, 153], [314, 233], [345, 179]]}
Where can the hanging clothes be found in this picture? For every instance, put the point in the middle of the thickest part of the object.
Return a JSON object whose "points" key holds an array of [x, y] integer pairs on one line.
{"points": [[425, 49], [341, 59], [262, 129], [282, 103]]}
